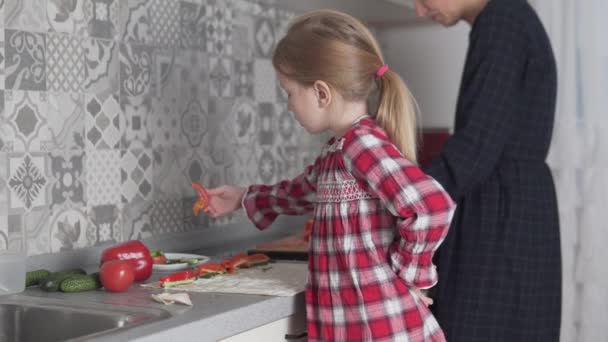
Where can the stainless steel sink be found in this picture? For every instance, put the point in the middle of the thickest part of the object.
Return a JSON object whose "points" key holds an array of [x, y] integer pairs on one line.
{"points": [[46, 320]]}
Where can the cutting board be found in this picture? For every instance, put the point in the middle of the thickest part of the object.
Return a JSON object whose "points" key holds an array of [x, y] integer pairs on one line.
{"points": [[289, 248], [275, 279]]}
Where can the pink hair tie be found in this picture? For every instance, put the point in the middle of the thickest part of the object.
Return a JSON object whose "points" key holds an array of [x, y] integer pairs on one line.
{"points": [[382, 70]]}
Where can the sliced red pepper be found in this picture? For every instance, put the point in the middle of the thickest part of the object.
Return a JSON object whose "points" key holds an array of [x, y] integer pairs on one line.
{"points": [[257, 259], [209, 270], [203, 198], [178, 278], [228, 266], [239, 260]]}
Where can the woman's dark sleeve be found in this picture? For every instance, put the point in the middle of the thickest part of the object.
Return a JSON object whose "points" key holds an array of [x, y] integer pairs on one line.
{"points": [[490, 102]]}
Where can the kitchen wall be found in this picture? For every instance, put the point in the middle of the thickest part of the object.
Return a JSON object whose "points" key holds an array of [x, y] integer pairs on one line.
{"points": [[430, 59], [110, 108]]}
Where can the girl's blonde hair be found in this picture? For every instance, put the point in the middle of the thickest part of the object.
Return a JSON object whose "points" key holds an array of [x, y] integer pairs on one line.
{"points": [[338, 49]]}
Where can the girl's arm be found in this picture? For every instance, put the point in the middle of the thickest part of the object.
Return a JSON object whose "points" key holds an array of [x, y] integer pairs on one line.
{"points": [[423, 208], [263, 203]]}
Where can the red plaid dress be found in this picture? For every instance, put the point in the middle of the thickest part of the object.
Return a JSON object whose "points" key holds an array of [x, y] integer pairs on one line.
{"points": [[378, 221]]}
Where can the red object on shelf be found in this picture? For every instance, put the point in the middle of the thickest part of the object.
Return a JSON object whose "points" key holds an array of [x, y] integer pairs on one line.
{"points": [[431, 144]]}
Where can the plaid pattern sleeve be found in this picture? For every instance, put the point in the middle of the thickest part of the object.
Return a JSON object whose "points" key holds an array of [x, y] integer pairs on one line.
{"points": [[422, 208], [264, 203]]}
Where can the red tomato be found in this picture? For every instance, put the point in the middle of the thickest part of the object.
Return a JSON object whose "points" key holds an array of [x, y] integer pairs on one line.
{"points": [[116, 275], [161, 259]]}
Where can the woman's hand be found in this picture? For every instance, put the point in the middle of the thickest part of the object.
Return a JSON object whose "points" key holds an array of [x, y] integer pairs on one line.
{"points": [[224, 199], [424, 298]]}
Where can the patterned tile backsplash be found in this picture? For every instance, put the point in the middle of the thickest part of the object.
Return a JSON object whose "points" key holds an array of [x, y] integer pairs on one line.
{"points": [[110, 108]]}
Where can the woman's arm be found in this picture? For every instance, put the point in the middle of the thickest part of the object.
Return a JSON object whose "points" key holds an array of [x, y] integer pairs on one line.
{"points": [[492, 100]]}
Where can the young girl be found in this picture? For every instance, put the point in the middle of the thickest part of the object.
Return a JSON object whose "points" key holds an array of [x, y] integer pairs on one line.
{"points": [[378, 218]]}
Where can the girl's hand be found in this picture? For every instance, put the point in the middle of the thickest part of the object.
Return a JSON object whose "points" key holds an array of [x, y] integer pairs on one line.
{"points": [[426, 300], [224, 199]]}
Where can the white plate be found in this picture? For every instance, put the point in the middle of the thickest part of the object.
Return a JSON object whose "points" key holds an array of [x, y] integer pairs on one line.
{"points": [[180, 266]]}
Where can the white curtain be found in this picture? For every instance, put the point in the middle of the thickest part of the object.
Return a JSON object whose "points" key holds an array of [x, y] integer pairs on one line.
{"points": [[579, 160]]}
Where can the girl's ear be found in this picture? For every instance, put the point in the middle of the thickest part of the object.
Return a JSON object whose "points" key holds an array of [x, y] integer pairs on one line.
{"points": [[323, 93]]}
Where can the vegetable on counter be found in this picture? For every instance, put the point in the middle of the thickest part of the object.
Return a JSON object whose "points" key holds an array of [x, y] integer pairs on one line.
{"points": [[34, 277], [54, 280], [135, 253], [81, 282], [158, 257], [203, 198], [116, 275], [237, 261], [209, 270], [178, 278], [257, 259]]}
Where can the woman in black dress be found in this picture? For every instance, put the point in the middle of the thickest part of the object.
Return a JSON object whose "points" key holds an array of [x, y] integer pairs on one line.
{"points": [[500, 265]]}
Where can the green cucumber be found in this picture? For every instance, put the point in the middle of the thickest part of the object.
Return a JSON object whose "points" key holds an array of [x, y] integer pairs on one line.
{"points": [[176, 283], [53, 281], [34, 277], [81, 282]]}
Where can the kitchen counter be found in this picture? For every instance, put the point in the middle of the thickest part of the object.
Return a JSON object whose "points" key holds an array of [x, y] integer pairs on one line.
{"points": [[213, 316]]}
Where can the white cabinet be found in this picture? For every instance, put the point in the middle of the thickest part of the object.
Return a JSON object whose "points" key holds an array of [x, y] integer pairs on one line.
{"points": [[373, 12], [290, 327]]}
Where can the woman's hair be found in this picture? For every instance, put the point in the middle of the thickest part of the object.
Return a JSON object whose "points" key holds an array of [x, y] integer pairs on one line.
{"points": [[338, 49]]}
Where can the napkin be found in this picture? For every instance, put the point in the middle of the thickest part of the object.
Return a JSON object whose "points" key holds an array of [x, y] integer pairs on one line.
{"points": [[171, 298]]}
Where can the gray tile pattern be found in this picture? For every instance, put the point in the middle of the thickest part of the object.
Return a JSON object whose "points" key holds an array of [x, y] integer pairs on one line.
{"points": [[2, 52], [102, 18], [101, 66], [165, 22], [138, 220], [106, 224], [135, 69], [25, 67], [68, 181], [24, 121], [65, 120], [68, 229], [136, 174], [67, 16], [37, 232], [103, 177], [135, 21], [29, 15], [219, 22], [3, 232], [27, 181], [104, 122], [193, 28], [109, 109], [65, 64]]}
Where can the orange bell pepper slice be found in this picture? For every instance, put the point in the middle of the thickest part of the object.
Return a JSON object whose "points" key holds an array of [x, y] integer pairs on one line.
{"points": [[198, 205], [203, 198]]}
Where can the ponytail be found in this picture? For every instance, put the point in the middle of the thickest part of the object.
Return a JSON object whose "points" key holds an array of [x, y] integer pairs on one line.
{"points": [[397, 114]]}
